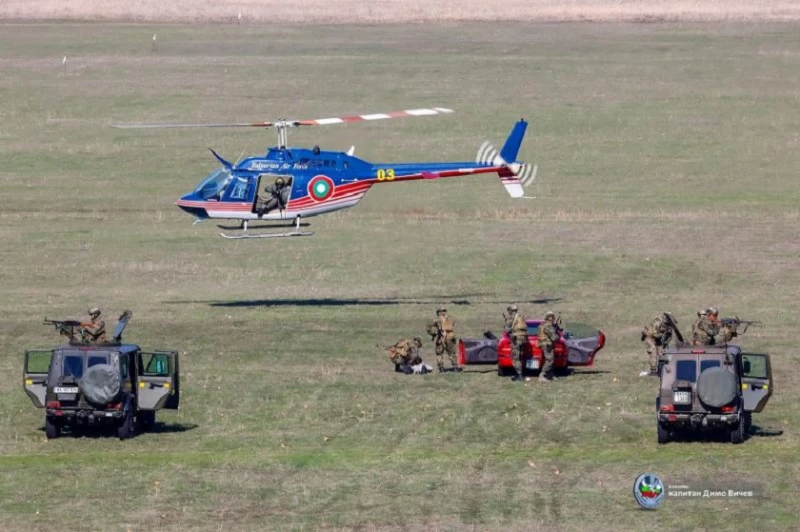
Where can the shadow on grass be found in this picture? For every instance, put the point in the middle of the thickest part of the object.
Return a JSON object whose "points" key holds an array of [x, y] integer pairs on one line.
{"points": [[367, 302], [722, 436], [110, 431]]}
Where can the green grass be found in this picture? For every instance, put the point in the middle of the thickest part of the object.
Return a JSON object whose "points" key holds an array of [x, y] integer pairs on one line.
{"points": [[667, 180]]}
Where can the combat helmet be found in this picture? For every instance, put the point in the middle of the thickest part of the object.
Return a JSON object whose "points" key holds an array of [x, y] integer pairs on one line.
{"points": [[712, 311], [512, 308], [550, 314], [280, 182], [94, 311], [418, 341], [441, 309]]}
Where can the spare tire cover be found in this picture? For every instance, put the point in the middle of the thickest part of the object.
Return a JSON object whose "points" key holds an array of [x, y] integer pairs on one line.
{"points": [[716, 387], [100, 384]]}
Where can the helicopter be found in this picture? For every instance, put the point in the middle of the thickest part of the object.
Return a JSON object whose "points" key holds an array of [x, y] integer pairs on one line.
{"points": [[301, 183]]}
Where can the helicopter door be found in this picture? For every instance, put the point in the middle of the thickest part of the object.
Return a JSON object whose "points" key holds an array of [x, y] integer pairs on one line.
{"points": [[37, 366], [266, 202]]}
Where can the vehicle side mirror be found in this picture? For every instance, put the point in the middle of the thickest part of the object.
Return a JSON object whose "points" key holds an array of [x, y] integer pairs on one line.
{"points": [[567, 335], [746, 367]]}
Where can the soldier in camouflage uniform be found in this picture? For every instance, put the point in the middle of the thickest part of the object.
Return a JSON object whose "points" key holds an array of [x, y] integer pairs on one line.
{"points": [[444, 338], [700, 315], [656, 336], [707, 328], [547, 336], [95, 331], [274, 196], [405, 354], [517, 330]]}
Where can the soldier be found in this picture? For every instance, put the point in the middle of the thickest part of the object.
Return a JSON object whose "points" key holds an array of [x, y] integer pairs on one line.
{"points": [[95, 331], [707, 328], [700, 314], [405, 354], [517, 330], [444, 339], [656, 336], [547, 335], [273, 198]]}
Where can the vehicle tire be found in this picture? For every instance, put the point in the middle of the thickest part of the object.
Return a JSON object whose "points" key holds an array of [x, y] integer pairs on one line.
{"points": [[147, 420], [748, 422], [663, 433], [501, 371], [739, 432], [716, 387], [125, 429], [51, 429]]}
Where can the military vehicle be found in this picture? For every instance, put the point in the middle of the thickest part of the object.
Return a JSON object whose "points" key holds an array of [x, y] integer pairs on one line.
{"points": [[711, 388], [112, 384]]}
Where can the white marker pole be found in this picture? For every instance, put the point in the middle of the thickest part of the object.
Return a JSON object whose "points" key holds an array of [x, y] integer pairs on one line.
{"points": [[64, 62], [239, 18], [154, 41]]}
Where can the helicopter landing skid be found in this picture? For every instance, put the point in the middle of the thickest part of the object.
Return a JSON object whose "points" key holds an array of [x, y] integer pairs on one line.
{"points": [[296, 232], [267, 235]]}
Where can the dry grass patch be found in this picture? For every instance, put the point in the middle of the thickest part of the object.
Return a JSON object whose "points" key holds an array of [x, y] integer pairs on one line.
{"points": [[393, 11]]}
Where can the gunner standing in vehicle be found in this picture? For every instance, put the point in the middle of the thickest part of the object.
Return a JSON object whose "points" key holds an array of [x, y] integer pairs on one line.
{"points": [[95, 330], [274, 197], [707, 328], [547, 336]]}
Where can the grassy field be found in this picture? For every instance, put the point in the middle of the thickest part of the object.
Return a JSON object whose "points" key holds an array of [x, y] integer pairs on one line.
{"points": [[668, 159], [394, 11]]}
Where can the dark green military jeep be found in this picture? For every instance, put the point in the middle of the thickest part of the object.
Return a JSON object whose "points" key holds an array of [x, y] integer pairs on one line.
{"points": [[714, 388], [108, 384]]}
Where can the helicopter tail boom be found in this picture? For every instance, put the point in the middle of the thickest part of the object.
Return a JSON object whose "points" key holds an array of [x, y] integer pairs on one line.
{"points": [[517, 174]]}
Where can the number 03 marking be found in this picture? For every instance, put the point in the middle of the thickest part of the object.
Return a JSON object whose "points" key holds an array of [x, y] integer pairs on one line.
{"points": [[386, 175]]}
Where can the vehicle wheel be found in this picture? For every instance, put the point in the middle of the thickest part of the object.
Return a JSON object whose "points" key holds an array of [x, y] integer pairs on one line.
{"points": [[51, 429], [739, 432], [125, 429], [501, 371], [147, 420], [663, 433]]}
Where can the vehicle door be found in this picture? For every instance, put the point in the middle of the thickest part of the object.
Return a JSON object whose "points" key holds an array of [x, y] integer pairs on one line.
{"points": [[582, 343], [756, 381], [34, 380], [158, 380]]}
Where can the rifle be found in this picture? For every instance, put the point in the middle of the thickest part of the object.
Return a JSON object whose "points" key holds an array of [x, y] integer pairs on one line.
{"points": [[674, 328], [734, 323], [67, 327]]}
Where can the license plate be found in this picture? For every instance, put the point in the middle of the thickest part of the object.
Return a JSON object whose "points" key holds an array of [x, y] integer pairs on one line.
{"points": [[682, 398], [532, 364], [60, 389]]}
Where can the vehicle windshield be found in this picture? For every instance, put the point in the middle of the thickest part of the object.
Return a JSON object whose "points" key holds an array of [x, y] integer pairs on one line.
{"points": [[214, 184]]}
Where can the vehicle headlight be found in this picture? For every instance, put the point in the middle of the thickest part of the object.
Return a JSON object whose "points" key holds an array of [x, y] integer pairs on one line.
{"points": [[682, 397]]}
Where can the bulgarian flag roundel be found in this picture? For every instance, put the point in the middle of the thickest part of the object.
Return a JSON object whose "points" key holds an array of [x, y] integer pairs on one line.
{"points": [[320, 188]]}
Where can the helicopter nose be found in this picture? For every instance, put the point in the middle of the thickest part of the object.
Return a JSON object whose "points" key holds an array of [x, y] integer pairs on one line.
{"points": [[192, 205]]}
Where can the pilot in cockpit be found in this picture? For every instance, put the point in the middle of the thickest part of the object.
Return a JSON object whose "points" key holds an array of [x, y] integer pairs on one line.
{"points": [[274, 196]]}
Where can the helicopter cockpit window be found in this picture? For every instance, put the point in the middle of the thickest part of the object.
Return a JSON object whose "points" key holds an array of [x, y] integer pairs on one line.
{"points": [[241, 187], [214, 184]]}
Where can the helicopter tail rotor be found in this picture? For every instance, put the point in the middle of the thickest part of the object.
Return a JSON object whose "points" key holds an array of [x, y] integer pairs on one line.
{"points": [[517, 174]]}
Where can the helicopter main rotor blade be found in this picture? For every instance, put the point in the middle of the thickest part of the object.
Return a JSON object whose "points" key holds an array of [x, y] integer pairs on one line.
{"points": [[167, 126], [376, 116]]}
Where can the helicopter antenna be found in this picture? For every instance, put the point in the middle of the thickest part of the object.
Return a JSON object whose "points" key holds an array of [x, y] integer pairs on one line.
{"points": [[283, 125]]}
